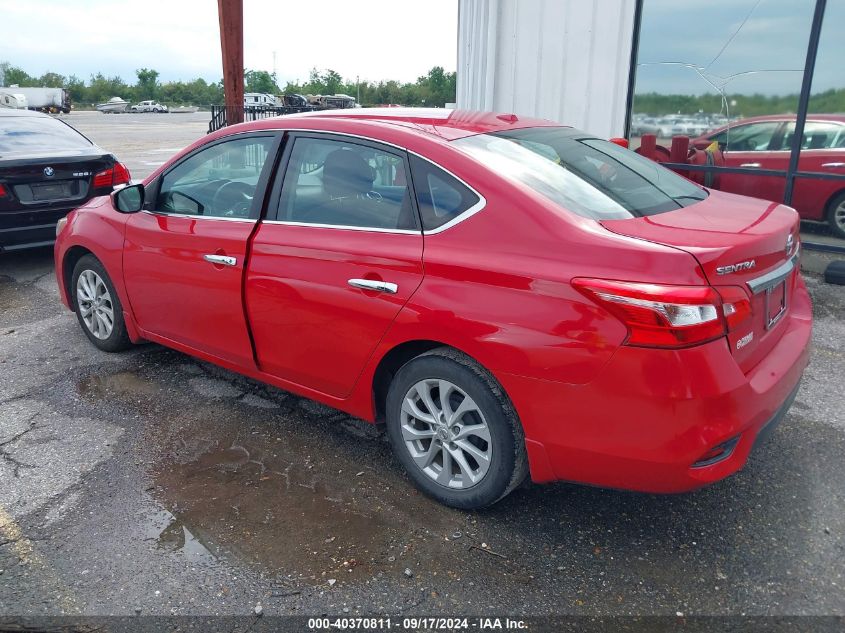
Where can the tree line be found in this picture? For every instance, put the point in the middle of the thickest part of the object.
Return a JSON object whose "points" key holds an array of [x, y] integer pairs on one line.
{"points": [[435, 88], [656, 104]]}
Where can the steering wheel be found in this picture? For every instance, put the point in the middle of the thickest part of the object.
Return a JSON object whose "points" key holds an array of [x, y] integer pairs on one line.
{"points": [[234, 199]]}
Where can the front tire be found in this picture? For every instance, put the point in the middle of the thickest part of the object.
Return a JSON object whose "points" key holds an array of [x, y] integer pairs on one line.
{"points": [[836, 216], [455, 431], [97, 306]]}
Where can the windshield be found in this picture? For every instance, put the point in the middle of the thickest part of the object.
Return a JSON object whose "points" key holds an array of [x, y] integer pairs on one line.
{"points": [[37, 135], [588, 176]]}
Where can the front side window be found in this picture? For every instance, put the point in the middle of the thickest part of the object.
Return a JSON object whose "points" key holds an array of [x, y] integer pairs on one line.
{"points": [[754, 137], [588, 176], [219, 181], [339, 183]]}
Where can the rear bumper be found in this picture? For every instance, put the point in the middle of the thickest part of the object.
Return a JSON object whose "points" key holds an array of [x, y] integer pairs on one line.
{"points": [[650, 416], [30, 229]]}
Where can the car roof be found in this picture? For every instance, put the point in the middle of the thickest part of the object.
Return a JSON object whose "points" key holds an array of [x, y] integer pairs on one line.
{"points": [[443, 122], [17, 112]]}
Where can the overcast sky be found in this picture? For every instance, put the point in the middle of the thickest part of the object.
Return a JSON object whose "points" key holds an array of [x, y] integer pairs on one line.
{"points": [[766, 46], [376, 39]]}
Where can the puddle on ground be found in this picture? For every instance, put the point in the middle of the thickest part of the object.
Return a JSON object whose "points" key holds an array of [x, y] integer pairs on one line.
{"points": [[169, 533], [303, 492], [123, 383]]}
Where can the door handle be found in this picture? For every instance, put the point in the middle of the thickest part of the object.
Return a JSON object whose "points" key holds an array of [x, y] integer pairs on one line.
{"points": [[833, 165], [371, 284], [750, 165], [222, 260]]}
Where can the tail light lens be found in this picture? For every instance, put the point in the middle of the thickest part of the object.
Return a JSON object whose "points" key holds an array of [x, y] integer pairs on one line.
{"points": [[117, 175], [658, 315], [736, 306], [3, 191]]}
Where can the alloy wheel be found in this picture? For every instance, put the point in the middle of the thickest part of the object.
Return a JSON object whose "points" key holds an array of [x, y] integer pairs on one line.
{"points": [[95, 304], [446, 434], [839, 217]]}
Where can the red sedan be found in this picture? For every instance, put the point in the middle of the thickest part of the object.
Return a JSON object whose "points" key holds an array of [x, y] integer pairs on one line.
{"points": [[765, 142], [512, 298]]}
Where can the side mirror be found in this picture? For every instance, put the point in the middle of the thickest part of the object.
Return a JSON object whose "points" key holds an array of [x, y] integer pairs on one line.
{"points": [[130, 199]]}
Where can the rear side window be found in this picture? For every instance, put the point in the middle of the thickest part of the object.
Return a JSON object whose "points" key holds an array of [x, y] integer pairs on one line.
{"points": [[37, 135], [441, 198], [338, 183], [588, 176]]}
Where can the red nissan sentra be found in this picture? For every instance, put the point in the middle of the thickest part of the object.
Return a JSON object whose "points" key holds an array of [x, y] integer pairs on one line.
{"points": [[511, 297]]}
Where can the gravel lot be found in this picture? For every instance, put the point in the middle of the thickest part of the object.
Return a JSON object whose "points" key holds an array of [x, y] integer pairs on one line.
{"points": [[149, 482]]}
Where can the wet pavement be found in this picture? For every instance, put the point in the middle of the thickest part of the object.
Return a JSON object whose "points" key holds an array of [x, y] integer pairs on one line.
{"points": [[155, 483]]}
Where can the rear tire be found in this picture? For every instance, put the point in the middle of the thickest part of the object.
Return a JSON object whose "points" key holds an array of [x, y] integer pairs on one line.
{"points": [[97, 306], [836, 215], [467, 452]]}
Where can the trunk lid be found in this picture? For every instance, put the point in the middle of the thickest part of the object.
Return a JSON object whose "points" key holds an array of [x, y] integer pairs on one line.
{"points": [[740, 243], [35, 185]]}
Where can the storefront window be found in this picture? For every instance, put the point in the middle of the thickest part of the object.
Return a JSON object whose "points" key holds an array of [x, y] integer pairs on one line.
{"points": [[728, 75]]}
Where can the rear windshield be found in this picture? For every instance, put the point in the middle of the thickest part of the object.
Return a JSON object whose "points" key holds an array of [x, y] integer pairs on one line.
{"points": [[588, 176], [37, 135]]}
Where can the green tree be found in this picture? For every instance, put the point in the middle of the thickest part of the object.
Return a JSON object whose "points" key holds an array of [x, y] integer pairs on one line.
{"points": [[14, 76], [260, 81], [147, 86]]}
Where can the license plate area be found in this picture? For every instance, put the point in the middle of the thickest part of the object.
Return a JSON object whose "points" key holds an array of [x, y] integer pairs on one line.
{"points": [[51, 191], [775, 304]]}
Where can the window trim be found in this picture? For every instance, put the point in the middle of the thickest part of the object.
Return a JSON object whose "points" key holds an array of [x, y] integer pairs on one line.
{"points": [[281, 172], [261, 187]]}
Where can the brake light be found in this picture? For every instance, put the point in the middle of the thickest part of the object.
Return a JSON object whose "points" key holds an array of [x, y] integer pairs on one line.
{"points": [[121, 175], [736, 306], [3, 191], [659, 315], [117, 175]]}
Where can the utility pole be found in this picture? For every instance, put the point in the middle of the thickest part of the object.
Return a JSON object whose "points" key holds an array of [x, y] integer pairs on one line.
{"points": [[231, 16], [358, 83]]}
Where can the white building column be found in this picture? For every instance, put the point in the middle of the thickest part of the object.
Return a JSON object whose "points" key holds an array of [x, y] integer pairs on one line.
{"points": [[565, 60]]}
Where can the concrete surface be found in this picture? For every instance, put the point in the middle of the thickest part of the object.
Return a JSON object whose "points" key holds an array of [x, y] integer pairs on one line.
{"points": [[148, 482]]}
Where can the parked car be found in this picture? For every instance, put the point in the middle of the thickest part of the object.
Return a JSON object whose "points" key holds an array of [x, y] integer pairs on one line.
{"points": [[578, 312], [149, 106], [46, 169], [766, 143]]}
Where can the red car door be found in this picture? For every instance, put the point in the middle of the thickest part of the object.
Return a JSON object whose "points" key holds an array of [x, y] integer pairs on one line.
{"points": [[822, 151], [754, 146], [338, 257], [184, 254]]}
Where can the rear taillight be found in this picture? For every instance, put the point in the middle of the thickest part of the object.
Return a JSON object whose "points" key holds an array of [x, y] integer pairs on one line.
{"points": [[121, 175], [3, 191], [117, 175], [659, 315], [736, 306]]}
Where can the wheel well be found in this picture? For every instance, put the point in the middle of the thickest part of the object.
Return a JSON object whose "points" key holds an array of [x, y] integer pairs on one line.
{"points": [[73, 255], [390, 364], [828, 206]]}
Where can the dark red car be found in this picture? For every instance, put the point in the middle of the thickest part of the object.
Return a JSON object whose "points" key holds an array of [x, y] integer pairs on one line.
{"points": [[766, 143], [511, 297]]}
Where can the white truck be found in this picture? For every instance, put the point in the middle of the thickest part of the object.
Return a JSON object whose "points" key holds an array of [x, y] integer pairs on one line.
{"points": [[151, 105], [44, 99]]}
